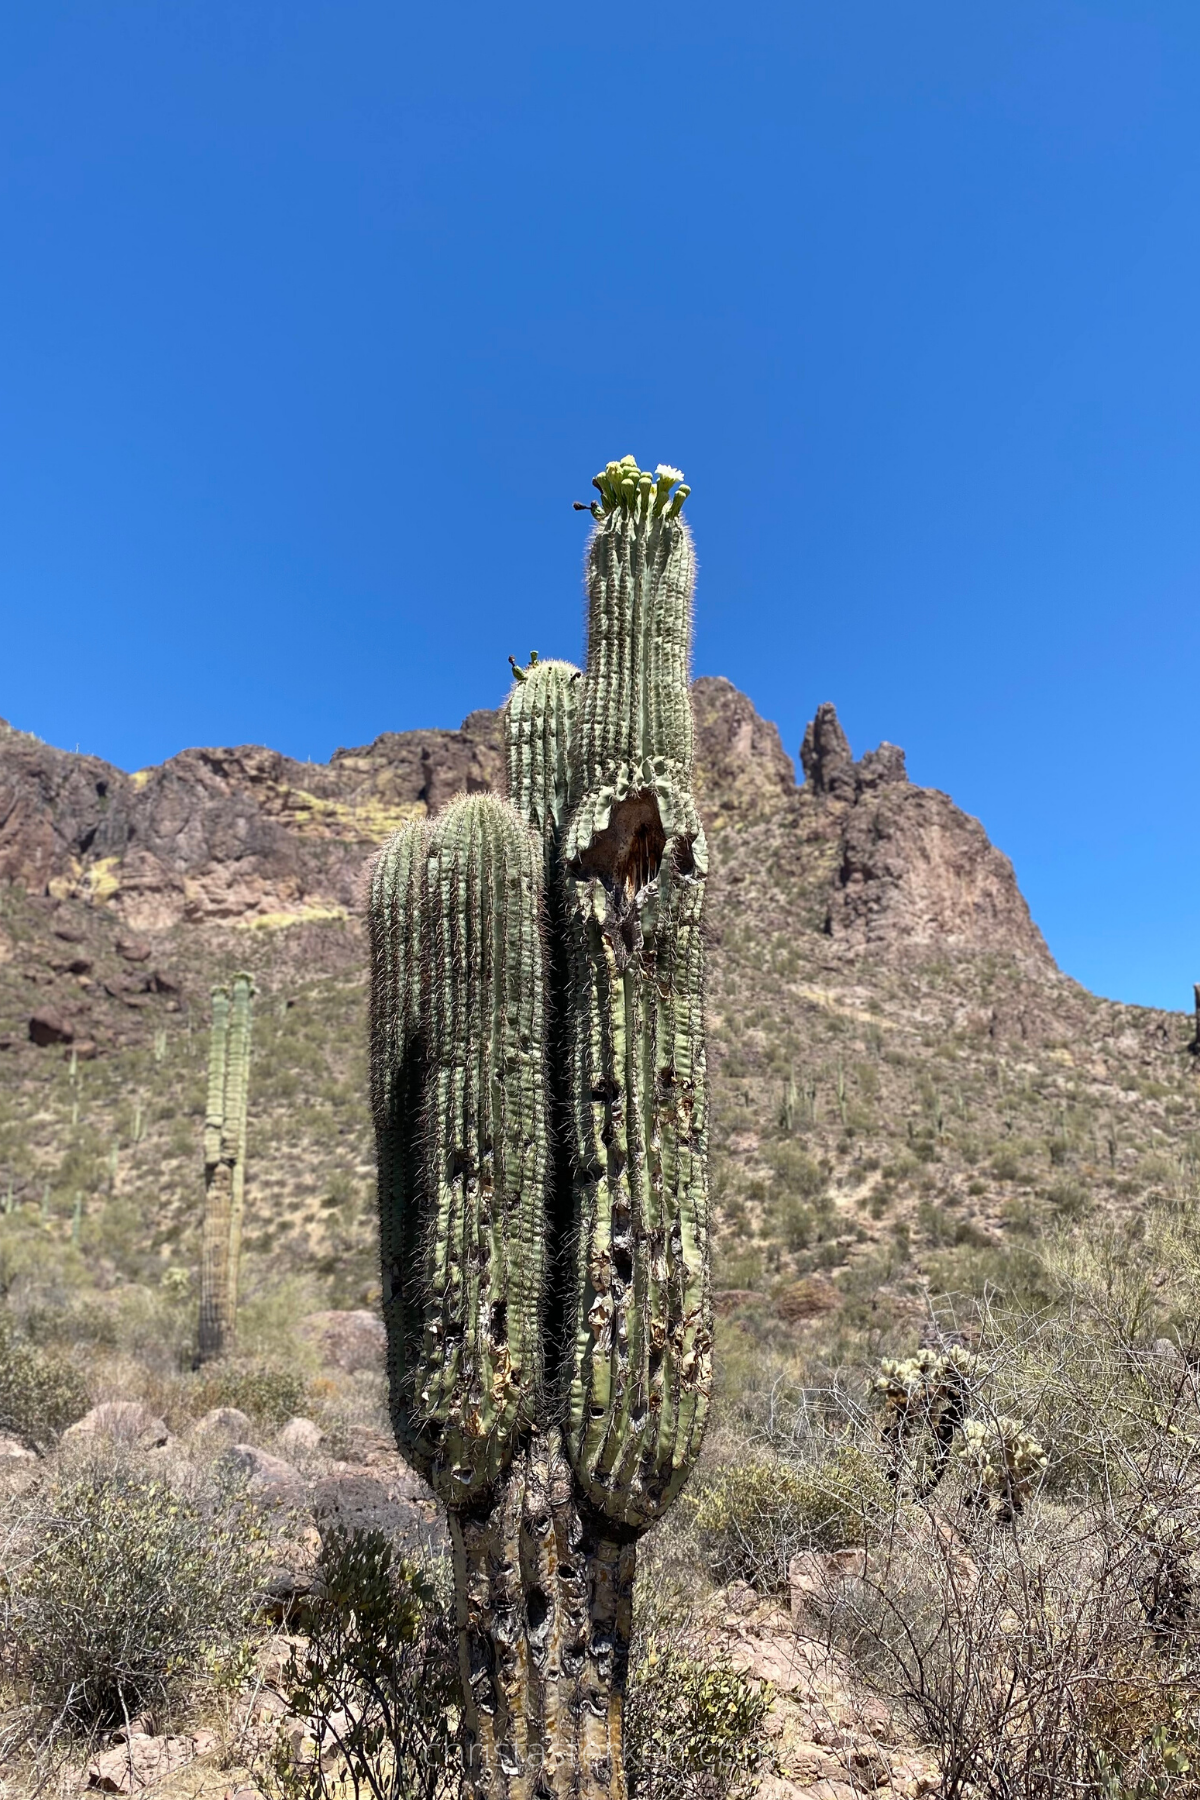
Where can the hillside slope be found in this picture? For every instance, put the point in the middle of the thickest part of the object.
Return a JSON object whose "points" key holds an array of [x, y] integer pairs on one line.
{"points": [[906, 1089]]}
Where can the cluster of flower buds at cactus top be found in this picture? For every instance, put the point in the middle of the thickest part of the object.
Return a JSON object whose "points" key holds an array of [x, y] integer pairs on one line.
{"points": [[624, 484]]}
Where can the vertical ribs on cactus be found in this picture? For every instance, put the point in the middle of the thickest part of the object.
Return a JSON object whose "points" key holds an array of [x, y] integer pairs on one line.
{"points": [[459, 1066], [224, 1165], [540, 1097]]}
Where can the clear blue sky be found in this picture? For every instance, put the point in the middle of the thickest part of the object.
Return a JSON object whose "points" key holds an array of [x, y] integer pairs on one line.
{"points": [[317, 317]]}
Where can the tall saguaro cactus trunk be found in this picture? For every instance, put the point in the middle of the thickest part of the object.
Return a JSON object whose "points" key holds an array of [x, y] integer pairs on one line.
{"points": [[540, 1097], [224, 1165]]}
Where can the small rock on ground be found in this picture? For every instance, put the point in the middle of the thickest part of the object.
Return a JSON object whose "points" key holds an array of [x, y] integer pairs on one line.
{"points": [[142, 1760], [125, 1421], [300, 1437]]}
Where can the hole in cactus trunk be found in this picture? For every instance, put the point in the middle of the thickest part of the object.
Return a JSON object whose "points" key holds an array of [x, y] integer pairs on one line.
{"points": [[627, 853], [537, 1609], [500, 1322]]}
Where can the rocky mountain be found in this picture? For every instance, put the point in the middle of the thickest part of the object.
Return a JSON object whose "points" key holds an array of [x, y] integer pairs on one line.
{"points": [[906, 1089], [247, 837]]}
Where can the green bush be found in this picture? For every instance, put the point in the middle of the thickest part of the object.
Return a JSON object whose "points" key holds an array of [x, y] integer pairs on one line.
{"points": [[119, 1591], [795, 1173], [40, 1393], [756, 1516], [270, 1395], [375, 1684], [693, 1728]]}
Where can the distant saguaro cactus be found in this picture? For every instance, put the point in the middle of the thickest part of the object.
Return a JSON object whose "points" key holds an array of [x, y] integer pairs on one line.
{"points": [[540, 1096], [224, 1164]]}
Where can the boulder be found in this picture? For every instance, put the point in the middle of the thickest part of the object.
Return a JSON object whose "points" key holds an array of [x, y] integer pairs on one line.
{"points": [[814, 1574], [300, 1437], [224, 1422], [124, 1421], [402, 1507], [50, 1028], [142, 1760], [13, 1453], [275, 1481], [349, 1340]]}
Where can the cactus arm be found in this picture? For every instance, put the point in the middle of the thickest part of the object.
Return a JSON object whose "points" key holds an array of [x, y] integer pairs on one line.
{"points": [[397, 1081], [539, 722], [462, 1175]]}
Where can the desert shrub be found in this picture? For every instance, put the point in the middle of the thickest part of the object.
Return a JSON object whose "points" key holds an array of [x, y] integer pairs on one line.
{"points": [[1025, 1657], [40, 1393], [1006, 1166], [755, 1516], [271, 1395], [1068, 1197], [120, 1590], [795, 1172], [693, 1726], [375, 1685]]}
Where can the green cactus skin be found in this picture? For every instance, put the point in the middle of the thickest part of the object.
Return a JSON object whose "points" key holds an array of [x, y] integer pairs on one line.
{"points": [[460, 1086], [537, 1020], [539, 726], [635, 860], [224, 1165]]}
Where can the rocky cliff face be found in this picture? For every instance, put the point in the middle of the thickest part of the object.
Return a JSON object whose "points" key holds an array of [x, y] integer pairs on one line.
{"points": [[911, 869], [223, 835], [250, 840]]}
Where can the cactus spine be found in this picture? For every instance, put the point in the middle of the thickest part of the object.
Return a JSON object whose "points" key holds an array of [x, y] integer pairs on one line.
{"points": [[540, 1099], [224, 1165]]}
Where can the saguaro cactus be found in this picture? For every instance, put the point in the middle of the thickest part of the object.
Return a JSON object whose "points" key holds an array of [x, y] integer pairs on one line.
{"points": [[224, 1164], [540, 1099]]}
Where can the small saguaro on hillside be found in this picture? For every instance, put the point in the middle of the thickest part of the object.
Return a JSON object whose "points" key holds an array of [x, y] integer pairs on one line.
{"points": [[224, 1165], [541, 1101]]}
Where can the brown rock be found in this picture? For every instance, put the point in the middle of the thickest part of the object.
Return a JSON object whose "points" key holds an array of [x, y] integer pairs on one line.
{"points": [[916, 870], [300, 1437], [50, 1028], [806, 1298], [825, 756], [349, 1340], [133, 949], [813, 1575], [741, 766], [224, 1422], [402, 1506], [277, 1482], [143, 1760], [125, 1421]]}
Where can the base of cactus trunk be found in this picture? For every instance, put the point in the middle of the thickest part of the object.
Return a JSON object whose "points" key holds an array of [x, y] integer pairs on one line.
{"points": [[545, 1601]]}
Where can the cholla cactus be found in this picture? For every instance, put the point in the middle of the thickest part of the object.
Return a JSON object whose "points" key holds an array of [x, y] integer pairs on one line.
{"points": [[1003, 1463], [923, 1394], [541, 1108]]}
